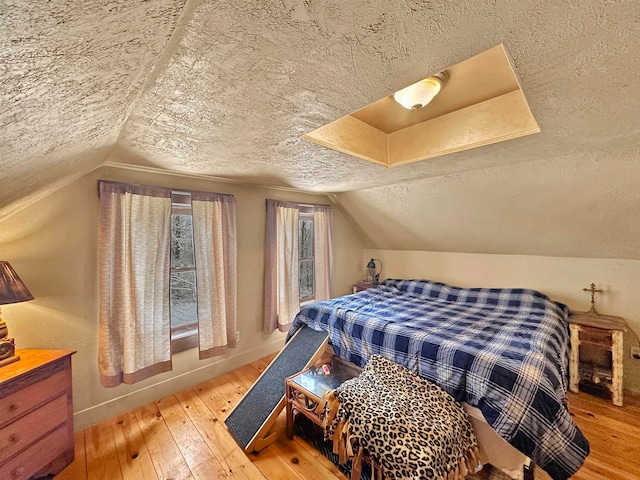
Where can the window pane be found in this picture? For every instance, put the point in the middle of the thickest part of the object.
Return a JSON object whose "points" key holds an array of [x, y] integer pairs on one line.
{"points": [[181, 241], [184, 306], [305, 238], [306, 278]]}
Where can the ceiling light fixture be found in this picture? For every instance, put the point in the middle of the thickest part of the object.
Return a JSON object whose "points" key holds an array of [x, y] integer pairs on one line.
{"points": [[416, 96]]}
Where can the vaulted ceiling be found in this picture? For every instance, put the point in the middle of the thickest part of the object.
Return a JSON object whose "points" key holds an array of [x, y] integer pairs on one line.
{"points": [[227, 89]]}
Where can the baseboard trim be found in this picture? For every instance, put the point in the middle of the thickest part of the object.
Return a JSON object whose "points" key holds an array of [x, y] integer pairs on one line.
{"points": [[632, 395], [103, 411]]}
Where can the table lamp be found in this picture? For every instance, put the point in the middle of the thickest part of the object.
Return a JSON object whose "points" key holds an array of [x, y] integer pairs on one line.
{"points": [[12, 290], [372, 276]]}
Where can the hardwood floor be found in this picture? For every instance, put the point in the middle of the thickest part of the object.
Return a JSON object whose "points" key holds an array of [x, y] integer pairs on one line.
{"points": [[183, 436]]}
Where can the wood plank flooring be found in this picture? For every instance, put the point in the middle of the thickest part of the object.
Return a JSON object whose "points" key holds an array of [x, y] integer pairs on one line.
{"points": [[183, 436]]}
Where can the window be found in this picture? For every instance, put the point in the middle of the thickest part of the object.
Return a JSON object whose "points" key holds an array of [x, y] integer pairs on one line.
{"points": [[167, 278], [306, 260], [298, 243], [183, 293]]}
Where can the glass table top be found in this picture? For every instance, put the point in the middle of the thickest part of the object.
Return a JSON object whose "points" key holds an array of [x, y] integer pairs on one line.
{"points": [[316, 381]]}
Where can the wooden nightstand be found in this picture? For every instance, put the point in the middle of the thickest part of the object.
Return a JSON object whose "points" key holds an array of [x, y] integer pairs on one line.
{"points": [[360, 286], [596, 362], [36, 415]]}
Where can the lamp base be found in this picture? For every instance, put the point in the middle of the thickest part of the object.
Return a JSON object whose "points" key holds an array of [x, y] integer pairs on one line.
{"points": [[7, 351], [9, 360]]}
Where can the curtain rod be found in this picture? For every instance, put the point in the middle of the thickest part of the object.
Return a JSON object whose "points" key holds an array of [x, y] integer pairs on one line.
{"points": [[301, 204], [164, 189]]}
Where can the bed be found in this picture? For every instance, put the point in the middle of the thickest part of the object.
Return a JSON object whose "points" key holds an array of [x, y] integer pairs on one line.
{"points": [[503, 352]]}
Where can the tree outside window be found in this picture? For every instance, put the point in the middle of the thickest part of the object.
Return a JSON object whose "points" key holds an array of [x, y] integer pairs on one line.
{"points": [[183, 292], [306, 260]]}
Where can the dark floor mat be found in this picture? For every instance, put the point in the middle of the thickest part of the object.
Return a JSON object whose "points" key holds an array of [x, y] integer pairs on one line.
{"points": [[312, 433]]}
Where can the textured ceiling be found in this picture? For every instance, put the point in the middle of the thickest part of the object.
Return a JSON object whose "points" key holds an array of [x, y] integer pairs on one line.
{"points": [[228, 88], [70, 73], [249, 78]]}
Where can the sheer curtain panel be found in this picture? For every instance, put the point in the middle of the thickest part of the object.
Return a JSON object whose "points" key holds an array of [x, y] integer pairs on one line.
{"points": [[134, 261], [323, 251], [281, 289], [214, 239]]}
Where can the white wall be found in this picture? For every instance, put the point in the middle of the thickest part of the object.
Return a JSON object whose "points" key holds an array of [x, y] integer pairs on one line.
{"points": [[562, 279], [52, 244]]}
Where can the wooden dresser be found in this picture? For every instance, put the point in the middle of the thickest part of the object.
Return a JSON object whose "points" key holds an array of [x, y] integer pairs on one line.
{"points": [[36, 415]]}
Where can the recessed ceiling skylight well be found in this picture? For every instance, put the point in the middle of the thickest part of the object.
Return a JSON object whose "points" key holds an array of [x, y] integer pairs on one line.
{"points": [[476, 102]]}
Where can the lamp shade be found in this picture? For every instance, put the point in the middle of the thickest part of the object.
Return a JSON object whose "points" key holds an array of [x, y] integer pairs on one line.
{"points": [[12, 289]]}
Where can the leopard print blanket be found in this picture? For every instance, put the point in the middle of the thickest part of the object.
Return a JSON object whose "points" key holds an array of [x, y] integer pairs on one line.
{"points": [[411, 428]]}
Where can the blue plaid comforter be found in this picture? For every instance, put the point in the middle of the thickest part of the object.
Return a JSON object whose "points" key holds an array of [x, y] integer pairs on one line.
{"points": [[504, 351]]}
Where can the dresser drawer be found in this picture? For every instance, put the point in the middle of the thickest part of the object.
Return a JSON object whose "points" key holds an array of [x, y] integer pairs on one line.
{"points": [[26, 430], [596, 336], [38, 456], [16, 404]]}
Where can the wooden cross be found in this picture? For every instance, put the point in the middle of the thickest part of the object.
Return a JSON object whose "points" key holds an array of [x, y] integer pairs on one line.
{"points": [[593, 292]]}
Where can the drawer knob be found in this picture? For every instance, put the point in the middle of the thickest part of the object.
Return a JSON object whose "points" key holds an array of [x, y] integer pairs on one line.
{"points": [[14, 438], [13, 407]]}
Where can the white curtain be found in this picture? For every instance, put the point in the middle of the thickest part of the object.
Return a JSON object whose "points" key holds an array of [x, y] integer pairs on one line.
{"points": [[214, 239], [323, 251], [282, 296], [134, 262]]}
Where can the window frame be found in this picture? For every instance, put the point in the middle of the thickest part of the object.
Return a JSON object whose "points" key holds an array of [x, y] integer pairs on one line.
{"points": [[183, 337]]}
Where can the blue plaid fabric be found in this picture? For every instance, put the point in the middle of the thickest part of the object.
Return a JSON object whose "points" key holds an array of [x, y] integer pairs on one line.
{"points": [[504, 351]]}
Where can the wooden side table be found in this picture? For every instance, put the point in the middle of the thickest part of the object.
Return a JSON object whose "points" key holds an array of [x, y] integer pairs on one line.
{"points": [[304, 390], [596, 360], [360, 286]]}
